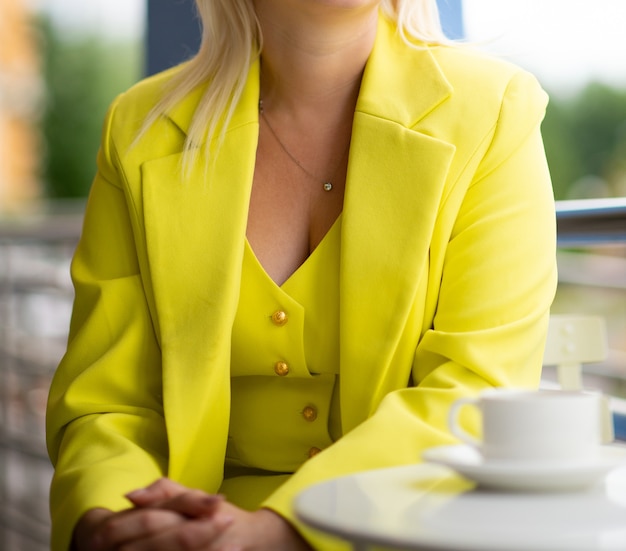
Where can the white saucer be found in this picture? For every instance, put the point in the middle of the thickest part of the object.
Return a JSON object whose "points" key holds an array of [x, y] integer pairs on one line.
{"points": [[530, 477]]}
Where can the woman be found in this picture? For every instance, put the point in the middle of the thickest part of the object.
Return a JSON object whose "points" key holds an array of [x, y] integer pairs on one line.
{"points": [[366, 234]]}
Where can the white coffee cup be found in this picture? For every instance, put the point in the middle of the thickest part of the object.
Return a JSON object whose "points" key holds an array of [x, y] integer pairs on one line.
{"points": [[534, 426]]}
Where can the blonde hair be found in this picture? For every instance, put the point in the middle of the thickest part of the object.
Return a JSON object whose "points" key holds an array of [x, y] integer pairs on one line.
{"points": [[232, 40]]}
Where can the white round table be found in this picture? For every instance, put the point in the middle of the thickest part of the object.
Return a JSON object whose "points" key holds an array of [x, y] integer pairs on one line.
{"points": [[428, 506]]}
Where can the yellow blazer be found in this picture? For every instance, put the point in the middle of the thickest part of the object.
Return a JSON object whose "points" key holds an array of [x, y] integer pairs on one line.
{"points": [[447, 275]]}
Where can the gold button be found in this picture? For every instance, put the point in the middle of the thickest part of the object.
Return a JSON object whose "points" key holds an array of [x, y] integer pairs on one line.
{"points": [[309, 413], [281, 368], [313, 452], [280, 318]]}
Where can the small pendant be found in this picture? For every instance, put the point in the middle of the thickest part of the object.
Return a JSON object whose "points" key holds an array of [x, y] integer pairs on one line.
{"points": [[328, 186]]}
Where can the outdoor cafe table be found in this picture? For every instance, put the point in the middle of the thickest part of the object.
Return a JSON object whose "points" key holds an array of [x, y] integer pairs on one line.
{"points": [[429, 507]]}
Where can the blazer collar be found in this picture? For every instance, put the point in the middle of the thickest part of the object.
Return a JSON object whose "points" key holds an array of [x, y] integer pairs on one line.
{"points": [[389, 90], [246, 111], [386, 92]]}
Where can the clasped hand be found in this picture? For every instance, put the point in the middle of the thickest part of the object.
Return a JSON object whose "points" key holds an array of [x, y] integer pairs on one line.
{"points": [[168, 516]]}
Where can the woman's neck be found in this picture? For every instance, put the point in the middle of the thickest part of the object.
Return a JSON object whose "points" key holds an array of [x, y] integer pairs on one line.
{"points": [[313, 54]]}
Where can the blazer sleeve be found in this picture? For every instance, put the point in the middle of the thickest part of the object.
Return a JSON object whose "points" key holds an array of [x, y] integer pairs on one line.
{"points": [[495, 287], [105, 425]]}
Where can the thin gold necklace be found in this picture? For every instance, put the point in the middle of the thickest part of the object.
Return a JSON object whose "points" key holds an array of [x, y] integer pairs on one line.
{"points": [[327, 184]]}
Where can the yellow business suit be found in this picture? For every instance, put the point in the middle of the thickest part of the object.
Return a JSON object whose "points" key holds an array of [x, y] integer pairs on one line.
{"points": [[446, 277]]}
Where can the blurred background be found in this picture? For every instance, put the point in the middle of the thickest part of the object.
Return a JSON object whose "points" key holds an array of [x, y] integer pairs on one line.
{"points": [[63, 61]]}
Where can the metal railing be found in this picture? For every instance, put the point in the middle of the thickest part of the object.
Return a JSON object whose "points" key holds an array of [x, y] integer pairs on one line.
{"points": [[587, 222], [35, 301]]}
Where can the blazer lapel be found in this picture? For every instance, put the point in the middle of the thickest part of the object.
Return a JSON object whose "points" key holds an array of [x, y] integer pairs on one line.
{"points": [[395, 183], [196, 272]]}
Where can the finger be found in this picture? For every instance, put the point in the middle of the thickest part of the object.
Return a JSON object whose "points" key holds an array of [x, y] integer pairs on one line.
{"points": [[162, 489], [165, 494], [193, 503], [193, 535], [133, 524]]}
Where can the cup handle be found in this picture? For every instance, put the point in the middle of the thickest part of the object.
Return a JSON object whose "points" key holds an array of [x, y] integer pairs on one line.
{"points": [[453, 424]]}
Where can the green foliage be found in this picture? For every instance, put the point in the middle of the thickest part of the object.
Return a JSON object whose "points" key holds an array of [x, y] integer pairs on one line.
{"points": [[585, 139], [82, 74]]}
